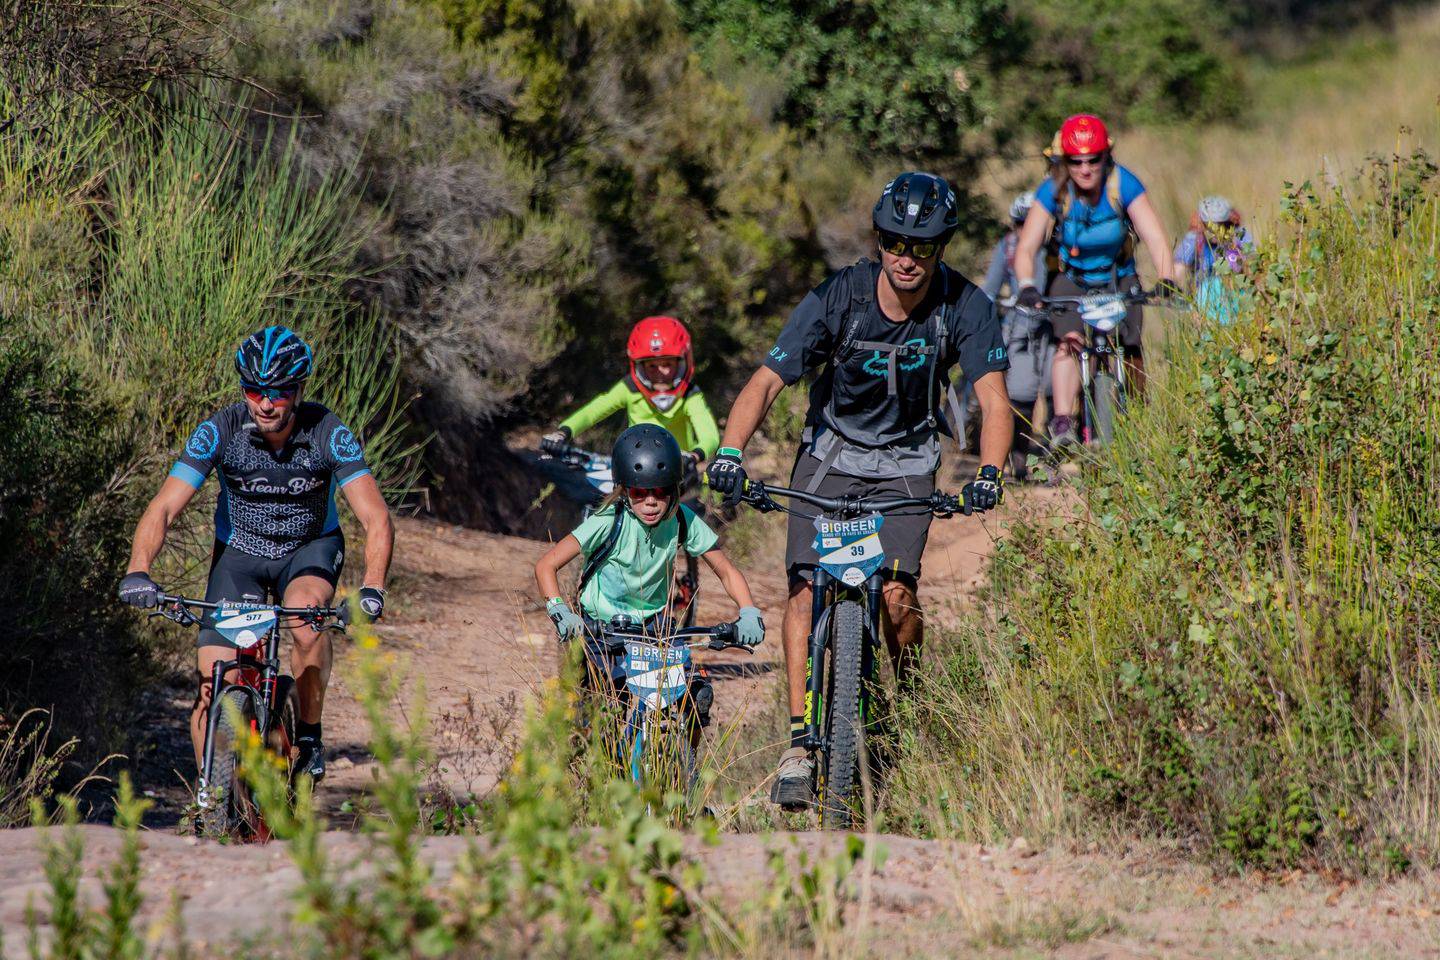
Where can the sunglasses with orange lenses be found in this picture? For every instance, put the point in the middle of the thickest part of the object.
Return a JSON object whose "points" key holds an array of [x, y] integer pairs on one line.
{"points": [[642, 493]]}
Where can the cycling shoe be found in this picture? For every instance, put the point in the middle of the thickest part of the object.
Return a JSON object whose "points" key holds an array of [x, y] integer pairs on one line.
{"points": [[311, 758]]}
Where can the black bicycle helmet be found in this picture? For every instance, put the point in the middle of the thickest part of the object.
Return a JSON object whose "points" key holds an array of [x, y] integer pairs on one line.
{"points": [[273, 357], [646, 455], [920, 206]]}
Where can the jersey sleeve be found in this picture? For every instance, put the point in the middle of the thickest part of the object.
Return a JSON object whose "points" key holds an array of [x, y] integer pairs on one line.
{"points": [[1131, 188], [202, 452], [702, 422], [979, 343], [341, 448], [995, 273], [1185, 250], [594, 530], [699, 538], [598, 409], [1045, 196], [808, 338]]}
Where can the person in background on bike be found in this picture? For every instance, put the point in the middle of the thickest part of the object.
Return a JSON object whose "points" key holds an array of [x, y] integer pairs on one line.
{"points": [[1086, 211], [630, 544], [883, 337], [279, 458], [1216, 242], [1027, 336], [658, 389]]}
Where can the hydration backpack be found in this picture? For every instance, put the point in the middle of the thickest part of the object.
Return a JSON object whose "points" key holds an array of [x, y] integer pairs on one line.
{"points": [[1062, 212]]}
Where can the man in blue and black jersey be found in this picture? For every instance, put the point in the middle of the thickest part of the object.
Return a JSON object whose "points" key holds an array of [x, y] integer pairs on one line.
{"points": [[279, 460]]}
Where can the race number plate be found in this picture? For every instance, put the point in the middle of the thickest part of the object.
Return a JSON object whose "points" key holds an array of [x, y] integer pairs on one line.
{"points": [[241, 626], [656, 675], [850, 550], [1103, 312]]}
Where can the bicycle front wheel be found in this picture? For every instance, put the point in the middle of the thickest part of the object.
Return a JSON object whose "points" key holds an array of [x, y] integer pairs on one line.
{"points": [[1109, 403], [840, 759], [228, 810]]}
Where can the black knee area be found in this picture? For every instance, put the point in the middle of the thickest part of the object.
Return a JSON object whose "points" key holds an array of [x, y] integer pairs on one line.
{"points": [[702, 694]]}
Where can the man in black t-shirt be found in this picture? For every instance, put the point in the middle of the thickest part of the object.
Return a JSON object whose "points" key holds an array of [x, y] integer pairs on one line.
{"points": [[883, 338]]}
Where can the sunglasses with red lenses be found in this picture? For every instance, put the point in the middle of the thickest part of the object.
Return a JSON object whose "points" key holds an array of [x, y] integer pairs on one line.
{"points": [[642, 493], [273, 394]]}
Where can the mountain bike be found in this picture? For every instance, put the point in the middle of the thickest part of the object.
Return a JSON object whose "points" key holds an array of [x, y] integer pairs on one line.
{"points": [[596, 468], [840, 681], [662, 706], [260, 700]]}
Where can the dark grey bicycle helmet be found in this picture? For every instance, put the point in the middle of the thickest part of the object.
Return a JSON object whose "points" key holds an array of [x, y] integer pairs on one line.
{"points": [[917, 205], [273, 357], [646, 455]]}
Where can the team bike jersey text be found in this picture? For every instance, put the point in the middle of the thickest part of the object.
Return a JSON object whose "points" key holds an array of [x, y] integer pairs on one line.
{"points": [[272, 501], [689, 421]]}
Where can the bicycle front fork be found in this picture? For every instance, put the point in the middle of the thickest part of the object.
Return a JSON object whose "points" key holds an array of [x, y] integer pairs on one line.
{"points": [[821, 599]]}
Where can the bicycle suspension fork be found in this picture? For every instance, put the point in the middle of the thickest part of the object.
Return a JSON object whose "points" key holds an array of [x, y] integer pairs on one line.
{"points": [[820, 588]]}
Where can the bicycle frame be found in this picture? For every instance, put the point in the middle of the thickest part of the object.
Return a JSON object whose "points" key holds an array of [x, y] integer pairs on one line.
{"points": [[258, 678], [1096, 349]]}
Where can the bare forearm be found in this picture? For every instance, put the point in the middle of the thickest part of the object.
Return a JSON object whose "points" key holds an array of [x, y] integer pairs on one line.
{"points": [[149, 539], [997, 421], [738, 589], [751, 407], [379, 548], [548, 579]]}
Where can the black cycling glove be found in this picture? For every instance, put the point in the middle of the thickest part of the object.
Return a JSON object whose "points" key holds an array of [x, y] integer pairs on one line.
{"points": [[727, 475], [1028, 298], [370, 601], [1167, 288], [987, 490], [556, 441], [138, 590]]}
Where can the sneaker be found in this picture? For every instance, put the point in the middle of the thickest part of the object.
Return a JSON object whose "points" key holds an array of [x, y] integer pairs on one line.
{"points": [[311, 758], [794, 786], [1063, 432]]}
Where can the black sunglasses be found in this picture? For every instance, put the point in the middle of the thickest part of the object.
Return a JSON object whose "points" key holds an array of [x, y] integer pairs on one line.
{"points": [[1085, 161], [898, 246]]}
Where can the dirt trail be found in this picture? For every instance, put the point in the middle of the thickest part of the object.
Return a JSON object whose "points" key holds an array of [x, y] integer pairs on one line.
{"points": [[470, 631]]}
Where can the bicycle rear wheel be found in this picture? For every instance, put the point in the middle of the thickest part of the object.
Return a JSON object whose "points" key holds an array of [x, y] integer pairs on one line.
{"points": [[840, 759]]}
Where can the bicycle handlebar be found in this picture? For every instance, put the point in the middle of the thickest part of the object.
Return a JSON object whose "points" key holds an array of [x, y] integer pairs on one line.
{"points": [[759, 494], [307, 614], [721, 636]]}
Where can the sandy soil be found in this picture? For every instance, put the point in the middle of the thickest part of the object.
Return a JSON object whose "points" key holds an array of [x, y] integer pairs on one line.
{"points": [[474, 639]]}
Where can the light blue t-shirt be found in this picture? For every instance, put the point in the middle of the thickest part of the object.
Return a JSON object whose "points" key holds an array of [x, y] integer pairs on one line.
{"points": [[1092, 237], [636, 578]]}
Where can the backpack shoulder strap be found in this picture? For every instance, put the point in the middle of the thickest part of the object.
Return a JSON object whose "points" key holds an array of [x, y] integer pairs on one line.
{"points": [[862, 291], [596, 560], [683, 534]]}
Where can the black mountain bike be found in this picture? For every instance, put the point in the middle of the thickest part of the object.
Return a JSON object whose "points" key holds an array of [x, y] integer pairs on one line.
{"points": [[596, 468], [265, 703], [1103, 390], [844, 631]]}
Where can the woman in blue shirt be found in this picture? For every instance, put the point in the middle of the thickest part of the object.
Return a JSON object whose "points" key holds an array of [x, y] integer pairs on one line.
{"points": [[1083, 192]]}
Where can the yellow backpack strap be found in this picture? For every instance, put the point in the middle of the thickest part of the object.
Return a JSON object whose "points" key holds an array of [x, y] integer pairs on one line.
{"points": [[1112, 193]]}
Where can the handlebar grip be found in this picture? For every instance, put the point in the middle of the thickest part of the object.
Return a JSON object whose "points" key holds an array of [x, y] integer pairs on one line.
{"points": [[723, 636]]}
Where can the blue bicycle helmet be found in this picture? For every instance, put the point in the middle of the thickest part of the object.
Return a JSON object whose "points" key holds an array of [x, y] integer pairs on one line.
{"points": [[273, 357]]}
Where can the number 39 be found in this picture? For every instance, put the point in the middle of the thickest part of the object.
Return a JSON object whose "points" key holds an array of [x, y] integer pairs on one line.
{"points": [[857, 550]]}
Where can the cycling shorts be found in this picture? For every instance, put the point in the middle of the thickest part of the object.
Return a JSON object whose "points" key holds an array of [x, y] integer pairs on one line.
{"points": [[235, 575], [1067, 322], [903, 534]]}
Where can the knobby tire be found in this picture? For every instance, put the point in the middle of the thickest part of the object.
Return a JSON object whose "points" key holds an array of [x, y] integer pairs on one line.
{"points": [[234, 814], [1107, 406], [840, 760]]}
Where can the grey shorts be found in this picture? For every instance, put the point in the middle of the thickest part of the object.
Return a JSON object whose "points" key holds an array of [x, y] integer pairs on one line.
{"points": [[903, 535], [1063, 322], [239, 576]]}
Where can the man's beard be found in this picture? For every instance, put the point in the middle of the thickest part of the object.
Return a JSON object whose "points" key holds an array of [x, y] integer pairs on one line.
{"points": [[280, 424], [907, 286]]}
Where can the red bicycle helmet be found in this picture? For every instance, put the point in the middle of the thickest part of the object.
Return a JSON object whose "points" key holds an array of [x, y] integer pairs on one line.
{"points": [[661, 337], [1082, 135]]}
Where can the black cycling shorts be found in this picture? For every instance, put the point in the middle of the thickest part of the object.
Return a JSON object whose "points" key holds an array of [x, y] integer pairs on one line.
{"points": [[903, 534], [1063, 322], [235, 575]]}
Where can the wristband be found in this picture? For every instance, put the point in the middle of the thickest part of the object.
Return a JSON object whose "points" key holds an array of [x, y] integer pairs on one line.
{"points": [[554, 600], [730, 452]]}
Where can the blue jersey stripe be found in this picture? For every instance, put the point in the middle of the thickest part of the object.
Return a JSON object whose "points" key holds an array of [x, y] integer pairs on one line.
{"points": [[355, 476], [189, 474]]}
